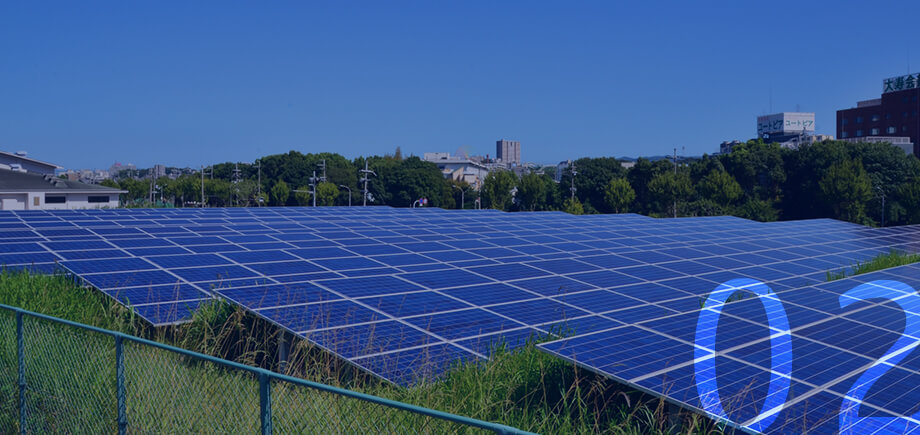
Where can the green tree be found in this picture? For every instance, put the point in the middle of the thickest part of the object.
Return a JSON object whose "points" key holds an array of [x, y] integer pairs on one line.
{"points": [[303, 196], [326, 194], [758, 210], [847, 187], [399, 183], [532, 189], [640, 177], [720, 187], [280, 193], [909, 194], [573, 206], [668, 190], [619, 194], [217, 192], [591, 180], [496, 189], [758, 167]]}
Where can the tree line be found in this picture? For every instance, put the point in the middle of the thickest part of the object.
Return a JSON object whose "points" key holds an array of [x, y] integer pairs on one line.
{"points": [[857, 182]]}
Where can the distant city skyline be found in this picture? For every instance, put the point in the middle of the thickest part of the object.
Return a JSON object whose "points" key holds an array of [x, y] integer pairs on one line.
{"points": [[206, 82]]}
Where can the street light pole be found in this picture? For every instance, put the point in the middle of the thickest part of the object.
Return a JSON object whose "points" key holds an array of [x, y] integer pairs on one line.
{"points": [[462, 191], [349, 193], [881, 194], [313, 187]]}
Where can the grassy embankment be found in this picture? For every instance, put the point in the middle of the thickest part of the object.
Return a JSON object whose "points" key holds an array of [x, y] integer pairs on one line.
{"points": [[882, 261], [71, 378]]}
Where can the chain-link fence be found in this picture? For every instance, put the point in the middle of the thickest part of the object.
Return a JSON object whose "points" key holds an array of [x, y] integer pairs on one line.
{"points": [[58, 376]]}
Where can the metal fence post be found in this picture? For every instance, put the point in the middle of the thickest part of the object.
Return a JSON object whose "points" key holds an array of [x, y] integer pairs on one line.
{"points": [[120, 381], [21, 352], [265, 403]]}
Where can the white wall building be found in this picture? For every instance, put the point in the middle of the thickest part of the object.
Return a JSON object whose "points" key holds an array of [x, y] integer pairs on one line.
{"points": [[19, 162], [24, 191]]}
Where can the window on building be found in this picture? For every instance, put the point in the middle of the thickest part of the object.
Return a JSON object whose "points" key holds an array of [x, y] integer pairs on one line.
{"points": [[875, 118], [887, 116], [874, 132], [844, 121], [904, 128], [55, 199], [859, 119], [98, 199], [905, 114], [858, 133], [892, 130], [843, 134]]}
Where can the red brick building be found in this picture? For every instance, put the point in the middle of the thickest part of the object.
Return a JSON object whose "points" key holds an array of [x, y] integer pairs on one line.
{"points": [[892, 118]]}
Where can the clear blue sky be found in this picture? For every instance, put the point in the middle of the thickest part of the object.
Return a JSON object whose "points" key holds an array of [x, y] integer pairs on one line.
{"points": [[85, 83]]}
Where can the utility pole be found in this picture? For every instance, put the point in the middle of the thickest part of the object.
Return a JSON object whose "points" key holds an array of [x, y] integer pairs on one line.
{"points": [[235, 179], [675, 160], [202, 182], [259, 186], [675, 180], [322, 165], [574, 172], [366, 173], [313, 187]]}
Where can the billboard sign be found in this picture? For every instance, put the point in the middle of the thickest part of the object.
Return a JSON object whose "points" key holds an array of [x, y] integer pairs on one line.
{"points": [[901, 83], [786, 123]]}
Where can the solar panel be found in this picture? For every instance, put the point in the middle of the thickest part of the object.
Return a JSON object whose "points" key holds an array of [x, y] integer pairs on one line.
{"points": [[407, 293]]}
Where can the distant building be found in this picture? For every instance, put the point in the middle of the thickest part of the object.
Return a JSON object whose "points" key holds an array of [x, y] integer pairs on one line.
{"points": [[789, 129], [158, 171], [560, 169], [459, 168], [903, 143], [508, 152], [19, 162], [892, 118], [727, 146], [89, 176], [116, 169], [797, 141], [29, 191]]}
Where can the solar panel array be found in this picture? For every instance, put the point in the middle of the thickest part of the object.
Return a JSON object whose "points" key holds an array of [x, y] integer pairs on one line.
{"points": [[405, 293]]}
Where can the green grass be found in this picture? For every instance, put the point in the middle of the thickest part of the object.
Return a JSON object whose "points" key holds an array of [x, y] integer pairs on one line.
{"points": [[882, 261], [71, 379]]}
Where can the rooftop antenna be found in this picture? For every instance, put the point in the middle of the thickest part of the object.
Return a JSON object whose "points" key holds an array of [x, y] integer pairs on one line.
{"points": [[771, 98]]}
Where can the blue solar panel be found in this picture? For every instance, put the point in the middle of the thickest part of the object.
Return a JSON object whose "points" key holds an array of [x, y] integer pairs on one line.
{"points": [[274, 295], [370, 338], [211, 273], [385, 288], [466, 323]]}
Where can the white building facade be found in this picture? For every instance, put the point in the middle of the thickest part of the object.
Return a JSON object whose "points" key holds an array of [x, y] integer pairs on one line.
{"points": [[23, 191]]}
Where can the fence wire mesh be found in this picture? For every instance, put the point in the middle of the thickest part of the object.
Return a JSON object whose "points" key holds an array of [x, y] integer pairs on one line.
{"points": [[302, 410], [9, 379], [70, 378], [170, 393], [80, 379]]}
